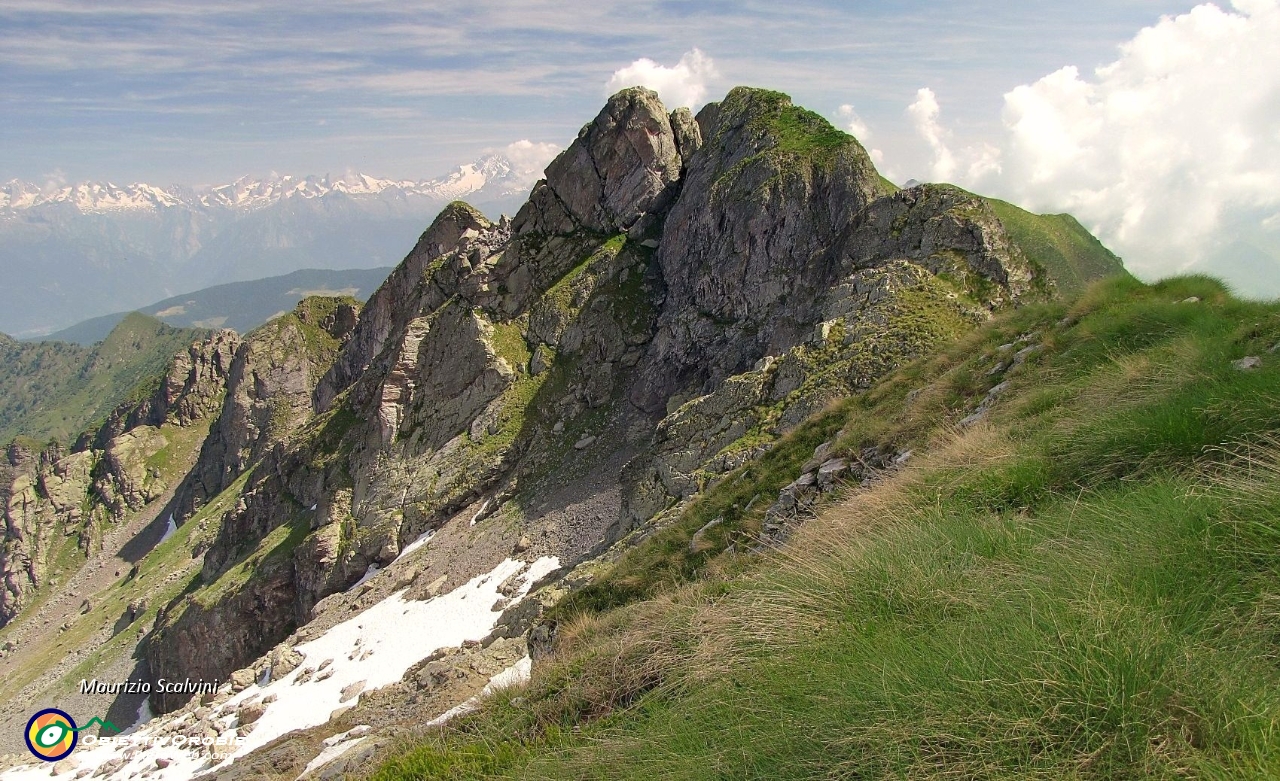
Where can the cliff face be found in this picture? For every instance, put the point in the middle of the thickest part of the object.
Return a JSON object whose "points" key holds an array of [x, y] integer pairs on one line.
{"points": [[269, 385], [673, 295]]}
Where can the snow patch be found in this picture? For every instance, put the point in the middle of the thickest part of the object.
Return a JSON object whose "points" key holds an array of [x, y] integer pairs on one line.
{"points": [[375, 647], [423, 539], [144, 715], [169, 529], [515, 674], [479, 513], [329, 754], [366, 577], [378, 646]]}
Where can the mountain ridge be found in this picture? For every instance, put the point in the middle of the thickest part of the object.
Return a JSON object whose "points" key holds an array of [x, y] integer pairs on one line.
{"points": [[249, 192], [238, 306], [438, 376], [57, 390], [74, 253]]}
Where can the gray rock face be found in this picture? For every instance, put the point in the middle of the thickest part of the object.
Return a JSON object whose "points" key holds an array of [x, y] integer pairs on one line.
{"points": [[403, 297], [687, 133], [947, 231], [749, 242], [269, 387], [787, 264], [213, 639], [623, 166], [191, 390], [767, 226]]}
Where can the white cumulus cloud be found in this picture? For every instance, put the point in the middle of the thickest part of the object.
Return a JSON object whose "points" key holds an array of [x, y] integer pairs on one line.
{"points": [[860, 130], [1171, 154], [684, 84], [853, 123], [54, 181], [924, 113], [529, 159]]}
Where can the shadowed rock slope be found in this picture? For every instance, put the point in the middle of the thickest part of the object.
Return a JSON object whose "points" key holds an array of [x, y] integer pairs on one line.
{"points": [[676, 294]]}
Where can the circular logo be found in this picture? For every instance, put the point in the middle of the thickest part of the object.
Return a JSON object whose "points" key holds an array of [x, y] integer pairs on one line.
{"points": [[51, 734]]}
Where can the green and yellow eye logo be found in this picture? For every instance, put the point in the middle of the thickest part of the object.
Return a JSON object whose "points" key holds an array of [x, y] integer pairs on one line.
{"points": [[51, 734]]}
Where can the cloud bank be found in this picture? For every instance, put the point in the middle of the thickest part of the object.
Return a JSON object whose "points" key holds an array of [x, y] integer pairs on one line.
{"points": [[860, 130], [1170, 154], [684, 84], [529, 159]]}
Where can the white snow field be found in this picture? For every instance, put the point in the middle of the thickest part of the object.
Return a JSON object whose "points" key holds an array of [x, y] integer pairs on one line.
{"points": [[374, 648]]}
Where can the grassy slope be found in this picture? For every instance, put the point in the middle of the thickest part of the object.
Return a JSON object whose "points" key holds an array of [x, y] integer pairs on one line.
{"points": [[155, 582], [53, 390], [1072, 256], [1081, 586]]}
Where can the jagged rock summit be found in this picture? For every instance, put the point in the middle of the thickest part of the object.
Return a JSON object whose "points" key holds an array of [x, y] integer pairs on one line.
{"points": [[671, 285], [622, 167]]}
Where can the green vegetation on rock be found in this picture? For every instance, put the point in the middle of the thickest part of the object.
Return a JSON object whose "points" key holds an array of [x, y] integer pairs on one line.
{"points": [[802, 132], [1060, 244], [54, 390], [796, 134]]}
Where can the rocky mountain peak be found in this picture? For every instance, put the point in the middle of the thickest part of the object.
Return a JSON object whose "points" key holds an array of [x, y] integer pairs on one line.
{"points": [[335, 316], [746, 251], [622, 166], [455, 221]]}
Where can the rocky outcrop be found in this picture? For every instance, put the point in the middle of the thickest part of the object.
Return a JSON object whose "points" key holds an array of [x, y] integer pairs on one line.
{"points": [[776, 213], [53, 499], [269, 387], [617, 176], [675, 294], [947, 231], [747, 250], [404, 297], [191, 390], [793, 275], [228, 628]]}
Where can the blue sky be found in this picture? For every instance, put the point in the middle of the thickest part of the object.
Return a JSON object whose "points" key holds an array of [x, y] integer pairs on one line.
{"points": [[1153, 121], [180, 92]]}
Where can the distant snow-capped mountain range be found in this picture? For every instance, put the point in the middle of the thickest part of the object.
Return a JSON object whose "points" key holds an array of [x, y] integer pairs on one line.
{"points": [[494, 176], [72, 252]]}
